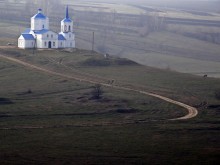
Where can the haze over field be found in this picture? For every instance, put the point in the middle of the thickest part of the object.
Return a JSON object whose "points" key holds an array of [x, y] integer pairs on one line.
{"points": [[182, 35]]}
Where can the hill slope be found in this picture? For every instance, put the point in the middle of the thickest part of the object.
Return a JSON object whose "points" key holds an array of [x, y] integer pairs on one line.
{"points": [[59, 120]]}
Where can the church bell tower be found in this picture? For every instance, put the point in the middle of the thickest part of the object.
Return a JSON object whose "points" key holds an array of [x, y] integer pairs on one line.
{"points": [[67, 30], [67, 23]]}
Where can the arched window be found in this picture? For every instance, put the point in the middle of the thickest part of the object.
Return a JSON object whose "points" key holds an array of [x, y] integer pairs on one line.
{"points": [[69, 28], [65, 28], [43, 26]]}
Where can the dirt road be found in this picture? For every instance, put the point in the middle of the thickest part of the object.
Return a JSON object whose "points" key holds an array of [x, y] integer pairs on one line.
{"points": [[192, 112]]}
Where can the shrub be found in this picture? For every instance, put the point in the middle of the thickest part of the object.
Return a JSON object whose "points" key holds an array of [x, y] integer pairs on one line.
{"points": [[97, 92], [96, 62]]}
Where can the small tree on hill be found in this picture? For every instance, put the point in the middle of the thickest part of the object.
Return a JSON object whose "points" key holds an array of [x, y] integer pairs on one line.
{"points": [[97, 92]]}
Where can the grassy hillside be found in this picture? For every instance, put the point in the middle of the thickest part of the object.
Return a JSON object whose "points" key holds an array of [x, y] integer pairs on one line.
{"points": [[85, 64], [52, 120]]}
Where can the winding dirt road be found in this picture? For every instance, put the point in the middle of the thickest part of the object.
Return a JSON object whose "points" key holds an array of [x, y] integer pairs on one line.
{"points": [[192, 112]]}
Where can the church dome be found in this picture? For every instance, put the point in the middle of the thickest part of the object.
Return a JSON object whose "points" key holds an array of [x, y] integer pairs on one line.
{"points": [[66, 20], [39, 15]]}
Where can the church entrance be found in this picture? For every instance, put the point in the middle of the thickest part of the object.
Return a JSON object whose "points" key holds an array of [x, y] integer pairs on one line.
{"points": [[49, 44]]}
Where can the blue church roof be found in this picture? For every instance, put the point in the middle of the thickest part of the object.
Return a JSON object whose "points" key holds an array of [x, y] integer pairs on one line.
{"points": [[41, 31], [67, 19], [27, 31], [39, 15], [61, 37], [28, 36]]}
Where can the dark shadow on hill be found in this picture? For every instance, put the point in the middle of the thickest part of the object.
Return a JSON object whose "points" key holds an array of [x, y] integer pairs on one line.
{"points": [[4, 101], [214, 106], [104, 62], [112, 111]]}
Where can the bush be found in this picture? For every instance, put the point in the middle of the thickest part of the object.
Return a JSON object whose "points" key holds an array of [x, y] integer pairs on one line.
{"points": [[96, 62], [97, 92]]}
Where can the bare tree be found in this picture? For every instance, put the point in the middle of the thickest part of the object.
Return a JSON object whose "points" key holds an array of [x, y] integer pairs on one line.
{"points": [[97, 92]]}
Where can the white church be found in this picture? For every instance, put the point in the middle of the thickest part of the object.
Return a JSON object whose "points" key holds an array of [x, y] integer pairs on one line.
{"points": [[40, 36]]}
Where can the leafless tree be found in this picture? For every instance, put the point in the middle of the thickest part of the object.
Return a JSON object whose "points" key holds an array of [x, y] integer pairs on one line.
{"points": [[97, 92]]}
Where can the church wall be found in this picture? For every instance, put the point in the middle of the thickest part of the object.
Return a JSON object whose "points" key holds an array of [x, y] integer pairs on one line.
{"points": [[50, 35], [70, 44], [21, 43], [47, 40], [25, 44], [69, 36], [39, 24], [61, 44], [29, 44], [70, 40], [38, 42]]}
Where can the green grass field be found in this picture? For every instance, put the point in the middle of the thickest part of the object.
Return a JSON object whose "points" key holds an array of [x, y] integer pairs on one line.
{"points": [[47, 119]]}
